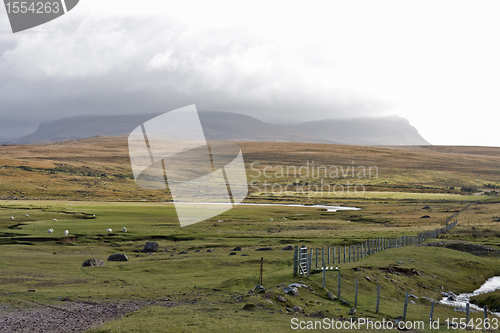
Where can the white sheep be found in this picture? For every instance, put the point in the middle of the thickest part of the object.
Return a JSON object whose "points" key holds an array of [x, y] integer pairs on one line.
{"points": [[66, 232], [124, 229], [109, 230], [55, 220], [12, 217], [26, 215], [49, 231], [271, 219]]}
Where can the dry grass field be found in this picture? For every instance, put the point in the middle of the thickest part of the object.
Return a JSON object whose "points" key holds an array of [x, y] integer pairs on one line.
{"points": [[100, 168]]}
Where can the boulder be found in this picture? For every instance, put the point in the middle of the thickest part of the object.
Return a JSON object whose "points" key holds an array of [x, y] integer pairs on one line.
{"points": [[232, 253], [118, 257], [291, 291], [287, 248], [332, 296], [352, 311], [425, 217], [93, 262], [281, 299], [150, 247], [297, 309], [259, 289], [237, 249]]}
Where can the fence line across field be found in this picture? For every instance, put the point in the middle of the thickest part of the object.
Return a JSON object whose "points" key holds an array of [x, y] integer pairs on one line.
{"points": [[302, 261]]}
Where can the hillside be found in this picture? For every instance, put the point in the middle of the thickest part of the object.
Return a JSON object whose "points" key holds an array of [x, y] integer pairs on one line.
{"points": [[100, 167]]}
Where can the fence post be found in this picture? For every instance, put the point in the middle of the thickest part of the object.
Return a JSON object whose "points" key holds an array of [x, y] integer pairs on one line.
{"points": [[485, 308], [295, 260], [356, 294], [406, 306], [432, 313], [338, 287], [333, 261], [316, 257], [323, 255], [339, 254], [309, 264], [349, 253], [467, 315], [324, 274], [344, 254], [378, 298], [328, 256]]}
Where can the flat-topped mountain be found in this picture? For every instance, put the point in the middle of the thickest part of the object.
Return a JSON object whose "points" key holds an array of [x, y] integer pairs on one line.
{"points": [[392, 130]]}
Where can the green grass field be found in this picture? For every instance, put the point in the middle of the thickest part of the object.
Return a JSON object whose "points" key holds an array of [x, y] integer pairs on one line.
{"points": [[205, 286], [207, 291]]}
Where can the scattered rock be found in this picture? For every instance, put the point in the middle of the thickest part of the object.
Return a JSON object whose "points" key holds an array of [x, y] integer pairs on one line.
{"points": [[136, 251], [196, 251], [291, 291], [237, 249], [332, 296], [183, 252], [281, 299], [412, 296], [412, 302], [150, 247], [118, 257], [426, 207], [400, 262], [425, 217], [264, 249], [93, 262], [210, 250], [352, 311], [31, 290], [368, 278], [288, 309], [244, 254], [297, 309], [232, 253], [260, 289], [280, 285], [287, 248], [345, 302]]}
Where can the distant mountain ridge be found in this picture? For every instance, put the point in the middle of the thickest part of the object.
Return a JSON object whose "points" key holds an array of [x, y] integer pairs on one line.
{"points": [[391, 130]]}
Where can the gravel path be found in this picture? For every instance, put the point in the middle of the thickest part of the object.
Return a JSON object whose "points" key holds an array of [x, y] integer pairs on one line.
{"points": [[69, 317]]}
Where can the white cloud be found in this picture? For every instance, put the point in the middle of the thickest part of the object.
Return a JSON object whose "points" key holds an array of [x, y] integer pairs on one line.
{"points": [[434, 63]]}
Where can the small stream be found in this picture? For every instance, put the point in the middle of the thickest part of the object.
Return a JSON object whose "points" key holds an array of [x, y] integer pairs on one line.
{"points": [[328, 208], [490, 285]]}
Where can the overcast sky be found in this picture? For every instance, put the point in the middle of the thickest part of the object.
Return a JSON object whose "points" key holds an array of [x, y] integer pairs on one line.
{"points": [[435, 63]]}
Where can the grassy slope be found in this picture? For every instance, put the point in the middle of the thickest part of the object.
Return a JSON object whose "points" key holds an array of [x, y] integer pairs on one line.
{"points": [[53, 269], [98, 169]]}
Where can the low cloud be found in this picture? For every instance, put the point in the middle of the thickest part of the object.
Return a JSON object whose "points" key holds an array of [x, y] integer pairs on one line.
{"points": [[130, 65]]}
